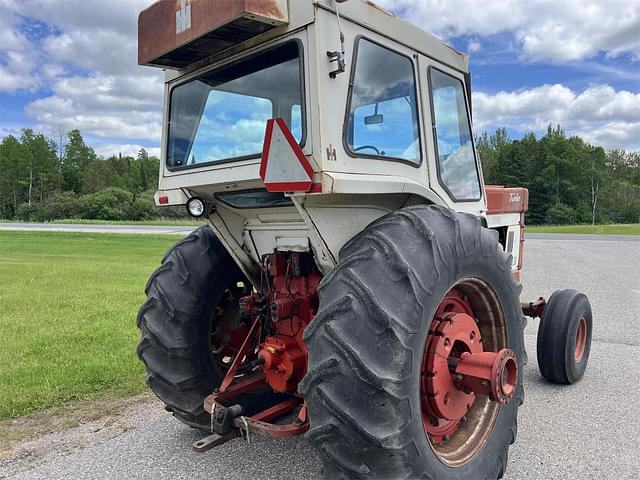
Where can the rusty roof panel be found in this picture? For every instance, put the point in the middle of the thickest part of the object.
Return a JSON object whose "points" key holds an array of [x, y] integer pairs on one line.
{"points": [[177, 33]]}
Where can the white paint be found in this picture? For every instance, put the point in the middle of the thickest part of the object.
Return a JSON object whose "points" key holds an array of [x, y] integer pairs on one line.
{"points": [[283, 164], [183, 17]]}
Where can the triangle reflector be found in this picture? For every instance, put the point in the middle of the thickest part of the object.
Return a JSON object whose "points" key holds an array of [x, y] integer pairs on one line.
{"points": [[283, 168]]}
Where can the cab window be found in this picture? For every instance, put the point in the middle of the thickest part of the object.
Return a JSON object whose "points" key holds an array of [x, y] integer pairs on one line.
{"points": [[382, 118], [457, 168], [220, 115]]}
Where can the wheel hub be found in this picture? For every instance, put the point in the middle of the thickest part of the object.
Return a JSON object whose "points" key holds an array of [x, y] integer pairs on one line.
{"points": [[449, 338], [456, 369], [581, 340]]}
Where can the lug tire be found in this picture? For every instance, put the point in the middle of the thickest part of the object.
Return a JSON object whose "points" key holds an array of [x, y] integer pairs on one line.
{"points": [[367, 340], [176, 325], [558, 334]]}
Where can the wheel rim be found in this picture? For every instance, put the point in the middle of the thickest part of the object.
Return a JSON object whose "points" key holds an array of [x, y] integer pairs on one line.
{"points": [[227, 330], [457, 439], [581, 340]]}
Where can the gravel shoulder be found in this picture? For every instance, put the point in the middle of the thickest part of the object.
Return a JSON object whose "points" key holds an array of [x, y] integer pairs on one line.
{"points": [[33, 440]]}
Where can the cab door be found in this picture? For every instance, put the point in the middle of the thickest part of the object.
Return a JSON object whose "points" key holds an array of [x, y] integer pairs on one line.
{"points": [[454, 168]]}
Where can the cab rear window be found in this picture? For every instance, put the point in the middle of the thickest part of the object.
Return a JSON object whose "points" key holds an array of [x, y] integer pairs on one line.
{"points": [[221, 115]]}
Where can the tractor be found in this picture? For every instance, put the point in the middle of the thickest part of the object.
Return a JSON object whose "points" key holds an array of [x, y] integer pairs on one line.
{"points": [[354, 280]]}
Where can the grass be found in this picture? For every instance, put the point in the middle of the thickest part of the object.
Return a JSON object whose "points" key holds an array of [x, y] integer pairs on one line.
{"points": [[81, 221], [68, 307], [613, 229]]}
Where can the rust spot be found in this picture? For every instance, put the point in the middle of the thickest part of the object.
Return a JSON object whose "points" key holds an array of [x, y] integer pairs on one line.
{"points": [[211, 29], [266, 8]]}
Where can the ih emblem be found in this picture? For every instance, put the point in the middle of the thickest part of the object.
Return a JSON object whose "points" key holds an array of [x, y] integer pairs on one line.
{"points": [[183, 16]]}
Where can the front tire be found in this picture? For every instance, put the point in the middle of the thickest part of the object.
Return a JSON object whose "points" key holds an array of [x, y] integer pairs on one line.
{"points": [[366, 346], [564, 337]]}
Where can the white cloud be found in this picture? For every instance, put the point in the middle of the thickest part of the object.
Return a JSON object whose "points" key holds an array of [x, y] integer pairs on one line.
{"points": [[17, 60], [599, 114], [473, 46], [550, 30], [128, 149], [115, 99]]}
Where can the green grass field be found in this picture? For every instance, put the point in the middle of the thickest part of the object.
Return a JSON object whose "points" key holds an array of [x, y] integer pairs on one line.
{"points": [[68, 303], [614, 229]]}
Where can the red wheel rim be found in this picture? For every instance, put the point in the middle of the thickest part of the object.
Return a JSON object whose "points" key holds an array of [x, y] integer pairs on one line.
{"points": [[227, 331], [439, 392], [581, 340], [457, 433]]}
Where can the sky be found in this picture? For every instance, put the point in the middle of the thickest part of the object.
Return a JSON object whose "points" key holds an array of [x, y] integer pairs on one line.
{"points": [[68, 64]]}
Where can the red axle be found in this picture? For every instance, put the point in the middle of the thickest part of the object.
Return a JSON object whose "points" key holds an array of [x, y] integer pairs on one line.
{"points": [[458, 369], [493, 374]]}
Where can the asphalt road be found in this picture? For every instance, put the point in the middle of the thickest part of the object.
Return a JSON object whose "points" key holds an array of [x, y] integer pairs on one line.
{"points": [[590, 430], [82, 228], [173, 230]]}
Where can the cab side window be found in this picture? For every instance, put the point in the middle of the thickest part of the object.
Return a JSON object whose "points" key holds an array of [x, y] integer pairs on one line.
{"points": [[382, 117], [457, 166]]}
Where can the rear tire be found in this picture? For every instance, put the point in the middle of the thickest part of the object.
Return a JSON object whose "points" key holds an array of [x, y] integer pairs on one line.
{"points": [[367, 341], [564, 337], [177, 322]]}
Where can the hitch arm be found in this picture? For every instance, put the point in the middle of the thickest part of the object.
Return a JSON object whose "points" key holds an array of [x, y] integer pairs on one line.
{"points": [[534, 309]]}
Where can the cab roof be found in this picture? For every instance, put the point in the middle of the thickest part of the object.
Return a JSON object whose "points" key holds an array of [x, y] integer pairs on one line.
{"points": [[178, 33]]}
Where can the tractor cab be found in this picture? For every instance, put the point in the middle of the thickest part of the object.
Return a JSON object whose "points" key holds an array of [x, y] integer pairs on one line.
{"points": [[379, 109]]}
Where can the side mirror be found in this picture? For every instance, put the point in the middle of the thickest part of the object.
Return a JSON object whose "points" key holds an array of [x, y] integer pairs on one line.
{"points": [[374, 119]]}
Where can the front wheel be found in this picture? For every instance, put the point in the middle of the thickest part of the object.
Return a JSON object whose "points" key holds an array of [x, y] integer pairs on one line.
{"points": [[564, 337], [414, 295]]}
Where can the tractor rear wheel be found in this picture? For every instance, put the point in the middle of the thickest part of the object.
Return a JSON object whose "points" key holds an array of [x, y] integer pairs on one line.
{"points": [[408, 280], [191, 328]]}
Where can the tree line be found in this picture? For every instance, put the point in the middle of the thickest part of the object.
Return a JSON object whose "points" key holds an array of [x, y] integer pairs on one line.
{"points": [[569, 181], [42, 180]]}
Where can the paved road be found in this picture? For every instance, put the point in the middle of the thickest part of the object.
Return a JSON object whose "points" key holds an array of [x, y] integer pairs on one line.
{"points": [[58, 227], [589, 431], [160, 229]]}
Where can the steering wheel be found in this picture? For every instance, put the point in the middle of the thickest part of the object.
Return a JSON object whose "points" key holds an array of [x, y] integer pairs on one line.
{"points": [[375, 149]]}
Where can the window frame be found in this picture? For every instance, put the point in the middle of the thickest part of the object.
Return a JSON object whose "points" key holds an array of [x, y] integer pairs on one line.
{"points": [[229, 64], [345, 124], [434, 130]]}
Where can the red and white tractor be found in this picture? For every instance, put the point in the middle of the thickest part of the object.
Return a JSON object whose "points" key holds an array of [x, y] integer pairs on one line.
{"points": [[355, 279]]}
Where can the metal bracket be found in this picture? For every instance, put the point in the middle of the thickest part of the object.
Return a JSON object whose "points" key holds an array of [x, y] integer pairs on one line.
{"points": [[534, 309], [222, 418], [213, 440], [339, 58]]}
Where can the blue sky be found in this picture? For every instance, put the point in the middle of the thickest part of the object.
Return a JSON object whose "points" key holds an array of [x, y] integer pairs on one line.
{"points": [[72, 64]]}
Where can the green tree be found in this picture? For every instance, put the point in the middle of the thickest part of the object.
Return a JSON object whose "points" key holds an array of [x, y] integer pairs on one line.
{"points": [[489, 148], [11, 171], [41, 175], [77, 156]]}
